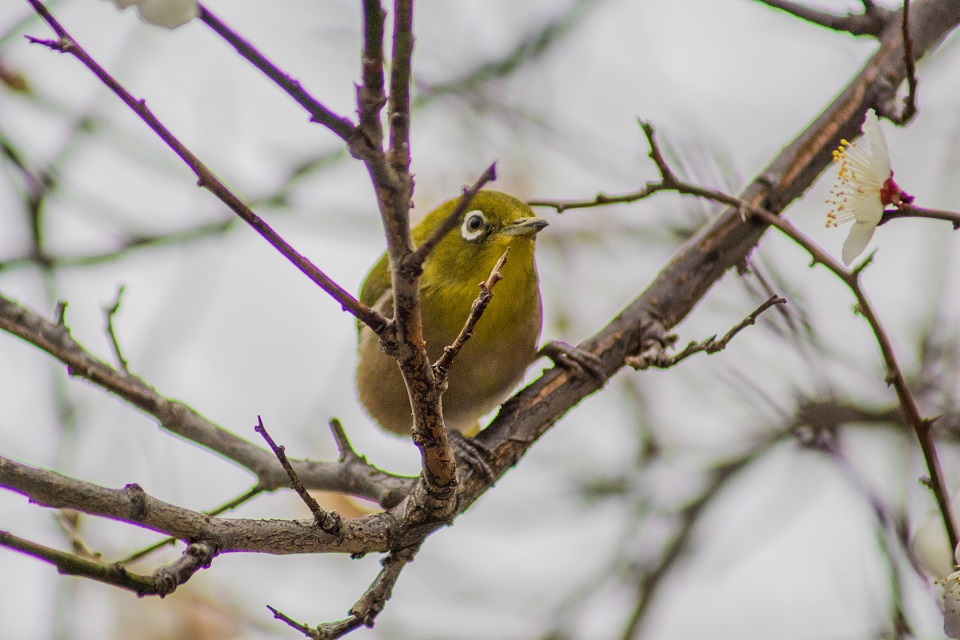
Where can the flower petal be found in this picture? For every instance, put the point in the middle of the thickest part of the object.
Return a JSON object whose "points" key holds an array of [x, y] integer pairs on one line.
{"points": [[879, 153], [951, 606], [866, 207], [857, 241], [168, 13], [932, 548]]}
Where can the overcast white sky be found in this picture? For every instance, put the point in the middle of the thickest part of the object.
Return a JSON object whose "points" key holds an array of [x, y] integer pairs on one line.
{"points": [[788, 551]]}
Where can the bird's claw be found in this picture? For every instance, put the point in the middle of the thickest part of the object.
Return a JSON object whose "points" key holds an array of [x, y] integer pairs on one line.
{"points": [[474, 453], [574, 359]]}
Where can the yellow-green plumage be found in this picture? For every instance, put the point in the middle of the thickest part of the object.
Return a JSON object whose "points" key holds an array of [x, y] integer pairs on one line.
{"points": [[504, 341]]}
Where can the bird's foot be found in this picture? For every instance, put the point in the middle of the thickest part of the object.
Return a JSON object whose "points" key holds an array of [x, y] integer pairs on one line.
{"points": [[574, 359], [474, 453]]}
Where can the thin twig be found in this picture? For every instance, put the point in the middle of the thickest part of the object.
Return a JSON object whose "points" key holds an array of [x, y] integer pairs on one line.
{"points": [[658, 358], [53, 337], [398, 107], [370, 95], [339, 125], [69, 521], [329, 521], [910, 100], [442, 365], [72, 565], [921, 426], [206, 178], [912, 211], [419, 256], [110, 313], [367, 608], [908, 404], [869, 23]]}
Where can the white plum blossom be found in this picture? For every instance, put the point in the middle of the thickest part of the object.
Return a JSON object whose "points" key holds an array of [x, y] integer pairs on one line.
{"points": [[864, 187], [169, 14], [951, 605], [931, 547]]}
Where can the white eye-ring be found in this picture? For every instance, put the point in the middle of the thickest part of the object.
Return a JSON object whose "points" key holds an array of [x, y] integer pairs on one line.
{"points": [[474, 225]]}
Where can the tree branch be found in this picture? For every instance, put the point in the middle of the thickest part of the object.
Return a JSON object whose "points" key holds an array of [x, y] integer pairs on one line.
{"points": [[724, 243], [131, 504], [660, 359], [339, 125], [206, 178], [354, 476], [871, 22]]}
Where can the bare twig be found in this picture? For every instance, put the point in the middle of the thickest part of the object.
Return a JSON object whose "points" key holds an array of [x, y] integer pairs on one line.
{"points": [[912, 211], [72, 565], [69, 521], [367, 608], [110, 313], [442, 365], [667, 182], [419, 256], [434, 497], [661, 360], [125, 246], [920, 425], [910, 100], [908, 404], [869, 23], [197, 555], [331, 522], [131, 504], [206, 178], [398, 107], [339, 125], [370, 95], [163, 582], [353, 476]]}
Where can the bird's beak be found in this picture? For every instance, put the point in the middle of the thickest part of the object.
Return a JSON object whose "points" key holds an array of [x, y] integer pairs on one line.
{"points": [[525, 227]]}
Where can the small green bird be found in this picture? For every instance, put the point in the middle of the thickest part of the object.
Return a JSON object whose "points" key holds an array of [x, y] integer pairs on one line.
{"points": [[504, 341]]}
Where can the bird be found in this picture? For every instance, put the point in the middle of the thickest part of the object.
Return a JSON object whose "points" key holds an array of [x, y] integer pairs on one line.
{"points": [[503, 342]]}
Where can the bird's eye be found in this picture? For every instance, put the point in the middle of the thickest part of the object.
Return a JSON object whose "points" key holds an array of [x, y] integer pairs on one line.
{"points": [[474, 224]]}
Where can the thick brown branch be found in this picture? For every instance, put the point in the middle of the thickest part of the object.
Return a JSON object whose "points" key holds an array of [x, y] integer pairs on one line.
{"points": [[166, 542], [725, 242], [353, 476], [131, 504]]}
